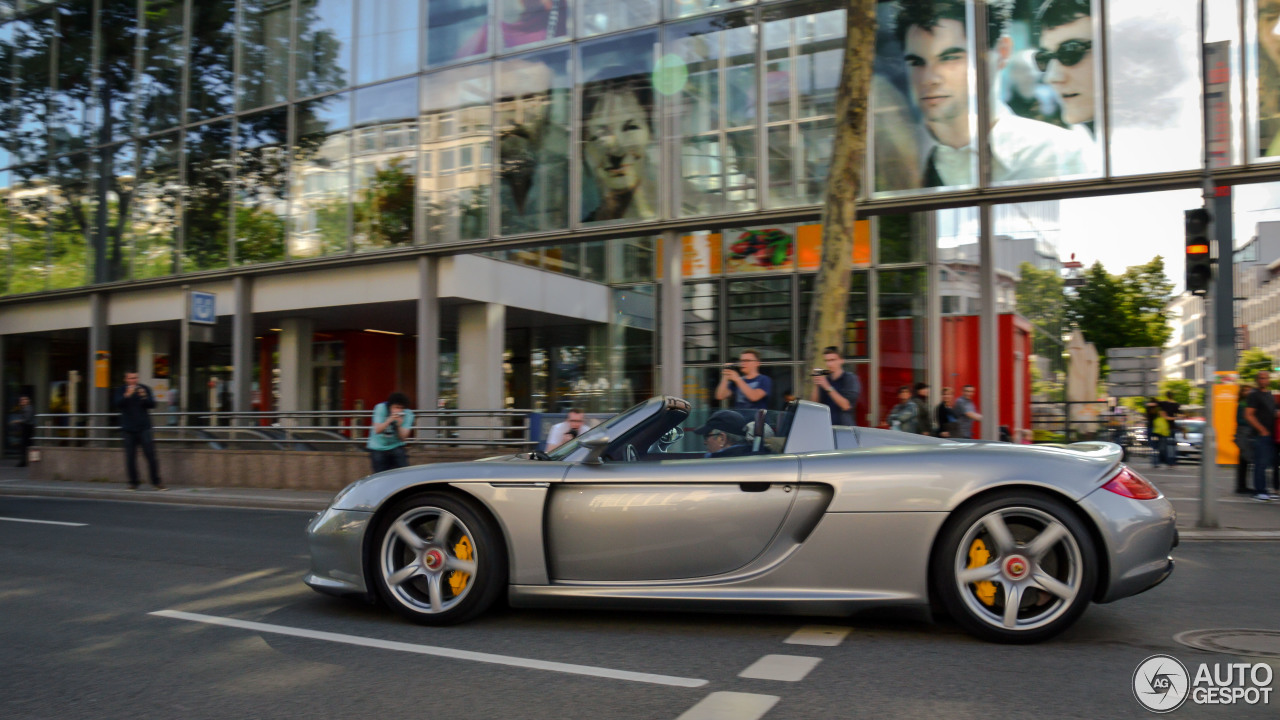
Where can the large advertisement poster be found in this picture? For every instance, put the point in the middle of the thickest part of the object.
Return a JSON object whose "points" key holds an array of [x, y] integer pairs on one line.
{"points": [[1042, 72], [1264, 55]]}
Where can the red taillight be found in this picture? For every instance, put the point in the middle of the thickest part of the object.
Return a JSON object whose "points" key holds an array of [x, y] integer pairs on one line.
{"points": [[1130, 485]]}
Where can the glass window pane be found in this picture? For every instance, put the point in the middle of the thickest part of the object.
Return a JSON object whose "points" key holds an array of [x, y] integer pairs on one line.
{"points": [[110, 230], [321, 177], [7, 106], [759, 317], [32, 55], [802, 73], [632, 259], [1263, 43], [118, 35], [323, 59], [456, 30], [164, 52], [901, 333], [685, 8], [1155, 88], [457, 204], [528, 22], [29, 241], [902, 238], [206, 226], [156, 202], [262, 170], [922, 98], [71, 113], [533, 142], [6, 233], [264, 53], [717, 170], [702, 323], [619, 129], [383, 210], [602, 16], [388, 39], [855, 329], [70, 205], [213, 31]]}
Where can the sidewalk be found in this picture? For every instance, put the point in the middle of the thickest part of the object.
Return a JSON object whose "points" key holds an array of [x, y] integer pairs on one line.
{"points": [[1239, 516]]}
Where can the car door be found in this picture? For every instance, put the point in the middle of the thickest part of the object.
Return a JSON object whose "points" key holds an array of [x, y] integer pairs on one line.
{"points": [[668, 520]]}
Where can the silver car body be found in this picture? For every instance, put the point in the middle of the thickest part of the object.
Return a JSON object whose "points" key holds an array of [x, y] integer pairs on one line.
{"points": [[841, 519]]}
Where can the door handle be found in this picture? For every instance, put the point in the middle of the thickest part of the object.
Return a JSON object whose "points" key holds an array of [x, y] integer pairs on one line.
{"points": [[753, 487]]}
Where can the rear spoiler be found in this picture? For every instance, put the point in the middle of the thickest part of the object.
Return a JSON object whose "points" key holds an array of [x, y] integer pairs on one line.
{"points": [[1111, 453]]}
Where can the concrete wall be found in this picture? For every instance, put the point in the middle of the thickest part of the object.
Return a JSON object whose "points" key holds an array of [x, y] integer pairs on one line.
{"points": [[289, 470]]}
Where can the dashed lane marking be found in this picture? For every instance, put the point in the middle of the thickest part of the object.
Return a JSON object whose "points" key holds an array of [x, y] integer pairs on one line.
{"points": [[439, 651], [787, 668], [44, 522], [730, 706], [819, 635]]}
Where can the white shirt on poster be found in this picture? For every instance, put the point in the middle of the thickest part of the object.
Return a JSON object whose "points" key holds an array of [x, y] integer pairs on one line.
{"points": [[1021, 150]]}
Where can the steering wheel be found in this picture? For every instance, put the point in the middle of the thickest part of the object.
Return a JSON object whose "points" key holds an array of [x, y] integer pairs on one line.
{"points": [[670, 437], [631, 453]]}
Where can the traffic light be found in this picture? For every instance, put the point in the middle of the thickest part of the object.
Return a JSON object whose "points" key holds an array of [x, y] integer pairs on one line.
{"points": [[1199, 260]]}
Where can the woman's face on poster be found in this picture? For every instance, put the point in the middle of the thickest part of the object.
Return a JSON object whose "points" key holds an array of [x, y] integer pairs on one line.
{"points": [[617, 141], [1269, 28], [1073, 83]]}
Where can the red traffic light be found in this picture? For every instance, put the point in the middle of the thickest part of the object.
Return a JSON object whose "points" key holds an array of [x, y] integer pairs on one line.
{"points": [[1197, 249]]}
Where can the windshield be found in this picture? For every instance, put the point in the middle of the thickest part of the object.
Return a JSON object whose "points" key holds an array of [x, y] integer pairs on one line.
{"points": [[565, 450], [1192, 426]]}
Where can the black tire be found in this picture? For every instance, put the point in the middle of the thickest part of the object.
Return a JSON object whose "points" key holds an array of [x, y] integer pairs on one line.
{"points": [[430, 583], [1045, 557]]}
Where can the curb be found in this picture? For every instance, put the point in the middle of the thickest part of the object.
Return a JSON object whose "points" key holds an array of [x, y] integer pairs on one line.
{"points": [[1229, 535], [175, 496]]}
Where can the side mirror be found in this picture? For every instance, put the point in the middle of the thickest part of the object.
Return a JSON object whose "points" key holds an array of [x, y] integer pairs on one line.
{"points": [[597, 445]]}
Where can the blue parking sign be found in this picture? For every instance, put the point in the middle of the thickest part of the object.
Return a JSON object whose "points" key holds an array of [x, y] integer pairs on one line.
{"points": [[204, 308]]}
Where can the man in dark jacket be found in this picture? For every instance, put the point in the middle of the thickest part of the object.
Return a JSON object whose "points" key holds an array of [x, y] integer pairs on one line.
{"points": [[133, 402], [921, 398]]}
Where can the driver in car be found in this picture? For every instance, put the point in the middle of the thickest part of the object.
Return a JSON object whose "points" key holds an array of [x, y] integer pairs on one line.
{"points": [[723, 434]]}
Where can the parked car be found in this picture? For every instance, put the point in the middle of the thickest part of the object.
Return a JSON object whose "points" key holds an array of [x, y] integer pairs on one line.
{"points": [[1190, 438]]}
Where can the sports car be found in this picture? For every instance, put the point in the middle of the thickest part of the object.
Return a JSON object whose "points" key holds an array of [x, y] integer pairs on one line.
{"points": [[771, 512]]}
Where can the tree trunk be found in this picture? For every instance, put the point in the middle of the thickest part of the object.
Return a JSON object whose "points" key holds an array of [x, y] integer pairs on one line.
{"points": [[827, 315]]}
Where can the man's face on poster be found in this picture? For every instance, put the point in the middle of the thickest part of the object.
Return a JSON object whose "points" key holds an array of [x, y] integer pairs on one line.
{"points": [[938, 62], [617, 141], [1073, 83], [1269, 28]]}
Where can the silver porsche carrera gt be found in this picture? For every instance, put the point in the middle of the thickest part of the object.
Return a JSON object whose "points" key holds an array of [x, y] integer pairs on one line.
{"points": [[778, 512]]}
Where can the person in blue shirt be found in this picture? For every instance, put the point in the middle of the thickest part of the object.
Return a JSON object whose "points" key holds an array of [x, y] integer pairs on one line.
{"points": [[835, 387], [392, 423], [748, 389]]}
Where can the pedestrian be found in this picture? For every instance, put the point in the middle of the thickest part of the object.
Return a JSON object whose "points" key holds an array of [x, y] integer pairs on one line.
{"points": [[904, 417], [920, 396], [945, 416], [835, 387], [25, 420], [1172, 412], [134, 401], [1260, 413], [966, 411], [392, 423], [1161, 435], [563, 432], [743, 383], [1244, 444]]}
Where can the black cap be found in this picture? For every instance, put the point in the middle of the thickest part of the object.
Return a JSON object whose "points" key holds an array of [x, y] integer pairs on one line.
{"points": [[726, 421]]}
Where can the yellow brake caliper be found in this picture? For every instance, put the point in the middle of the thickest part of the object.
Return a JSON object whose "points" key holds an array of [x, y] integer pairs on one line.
{"points": [[457, 578], [979, 556]]}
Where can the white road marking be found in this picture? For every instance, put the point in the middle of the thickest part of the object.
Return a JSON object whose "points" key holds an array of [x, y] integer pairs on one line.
{"points": [[437, 651], [730, 706], [45, 522], [820, 635], [787, 668]]}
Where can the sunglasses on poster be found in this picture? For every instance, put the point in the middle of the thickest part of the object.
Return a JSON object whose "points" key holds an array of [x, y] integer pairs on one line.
{"points": [[1069, 53]]}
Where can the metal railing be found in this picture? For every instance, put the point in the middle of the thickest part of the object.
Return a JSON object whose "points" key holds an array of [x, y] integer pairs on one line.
{"points": [[293, 430]]}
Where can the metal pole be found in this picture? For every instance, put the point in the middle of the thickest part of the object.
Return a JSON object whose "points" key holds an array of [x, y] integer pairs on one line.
{"points": [[1208, 449], [184, 368]]}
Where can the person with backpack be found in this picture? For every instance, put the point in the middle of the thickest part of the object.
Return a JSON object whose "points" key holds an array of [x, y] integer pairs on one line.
{"points": [[392, 423]]}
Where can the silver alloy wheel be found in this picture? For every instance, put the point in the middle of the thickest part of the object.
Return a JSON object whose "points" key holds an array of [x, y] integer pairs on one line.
{"points": [[420, 556], [1036, 561]]}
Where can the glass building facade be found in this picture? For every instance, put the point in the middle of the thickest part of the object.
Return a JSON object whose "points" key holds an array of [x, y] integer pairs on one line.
{"points": [[150, 143]]}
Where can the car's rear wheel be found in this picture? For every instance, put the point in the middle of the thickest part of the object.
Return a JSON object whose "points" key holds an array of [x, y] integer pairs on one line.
{"points": [[1018, 567], [437, 560]]}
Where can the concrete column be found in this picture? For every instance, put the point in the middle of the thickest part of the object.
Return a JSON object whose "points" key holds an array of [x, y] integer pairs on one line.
{"points": [[295, 364], [428, 370], [671, 324], [242, 346], [481, 336], [99, 339], [35, 371]]}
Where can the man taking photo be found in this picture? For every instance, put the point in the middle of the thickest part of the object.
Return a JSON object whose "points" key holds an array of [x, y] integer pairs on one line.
{"points": [[835, 388]]}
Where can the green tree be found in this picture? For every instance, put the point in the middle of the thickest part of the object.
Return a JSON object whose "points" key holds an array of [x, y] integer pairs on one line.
{"points": [[1182, 391], [1125, 310], [1253, 360], [1040, 299]]}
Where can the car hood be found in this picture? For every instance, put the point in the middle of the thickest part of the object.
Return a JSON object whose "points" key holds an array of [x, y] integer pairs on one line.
{"points": [[367, 493]]}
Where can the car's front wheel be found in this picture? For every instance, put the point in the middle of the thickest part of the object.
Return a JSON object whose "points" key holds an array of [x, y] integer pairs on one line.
{"points": [[1018, 567], [436, 560]]}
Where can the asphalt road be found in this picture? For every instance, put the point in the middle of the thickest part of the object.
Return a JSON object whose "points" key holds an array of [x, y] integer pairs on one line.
{"points": [[79, 639]]}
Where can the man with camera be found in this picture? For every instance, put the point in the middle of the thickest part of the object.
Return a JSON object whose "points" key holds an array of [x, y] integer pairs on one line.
{"points": [[392, 423], [835, 388], [134, 402], [743, 382]]}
